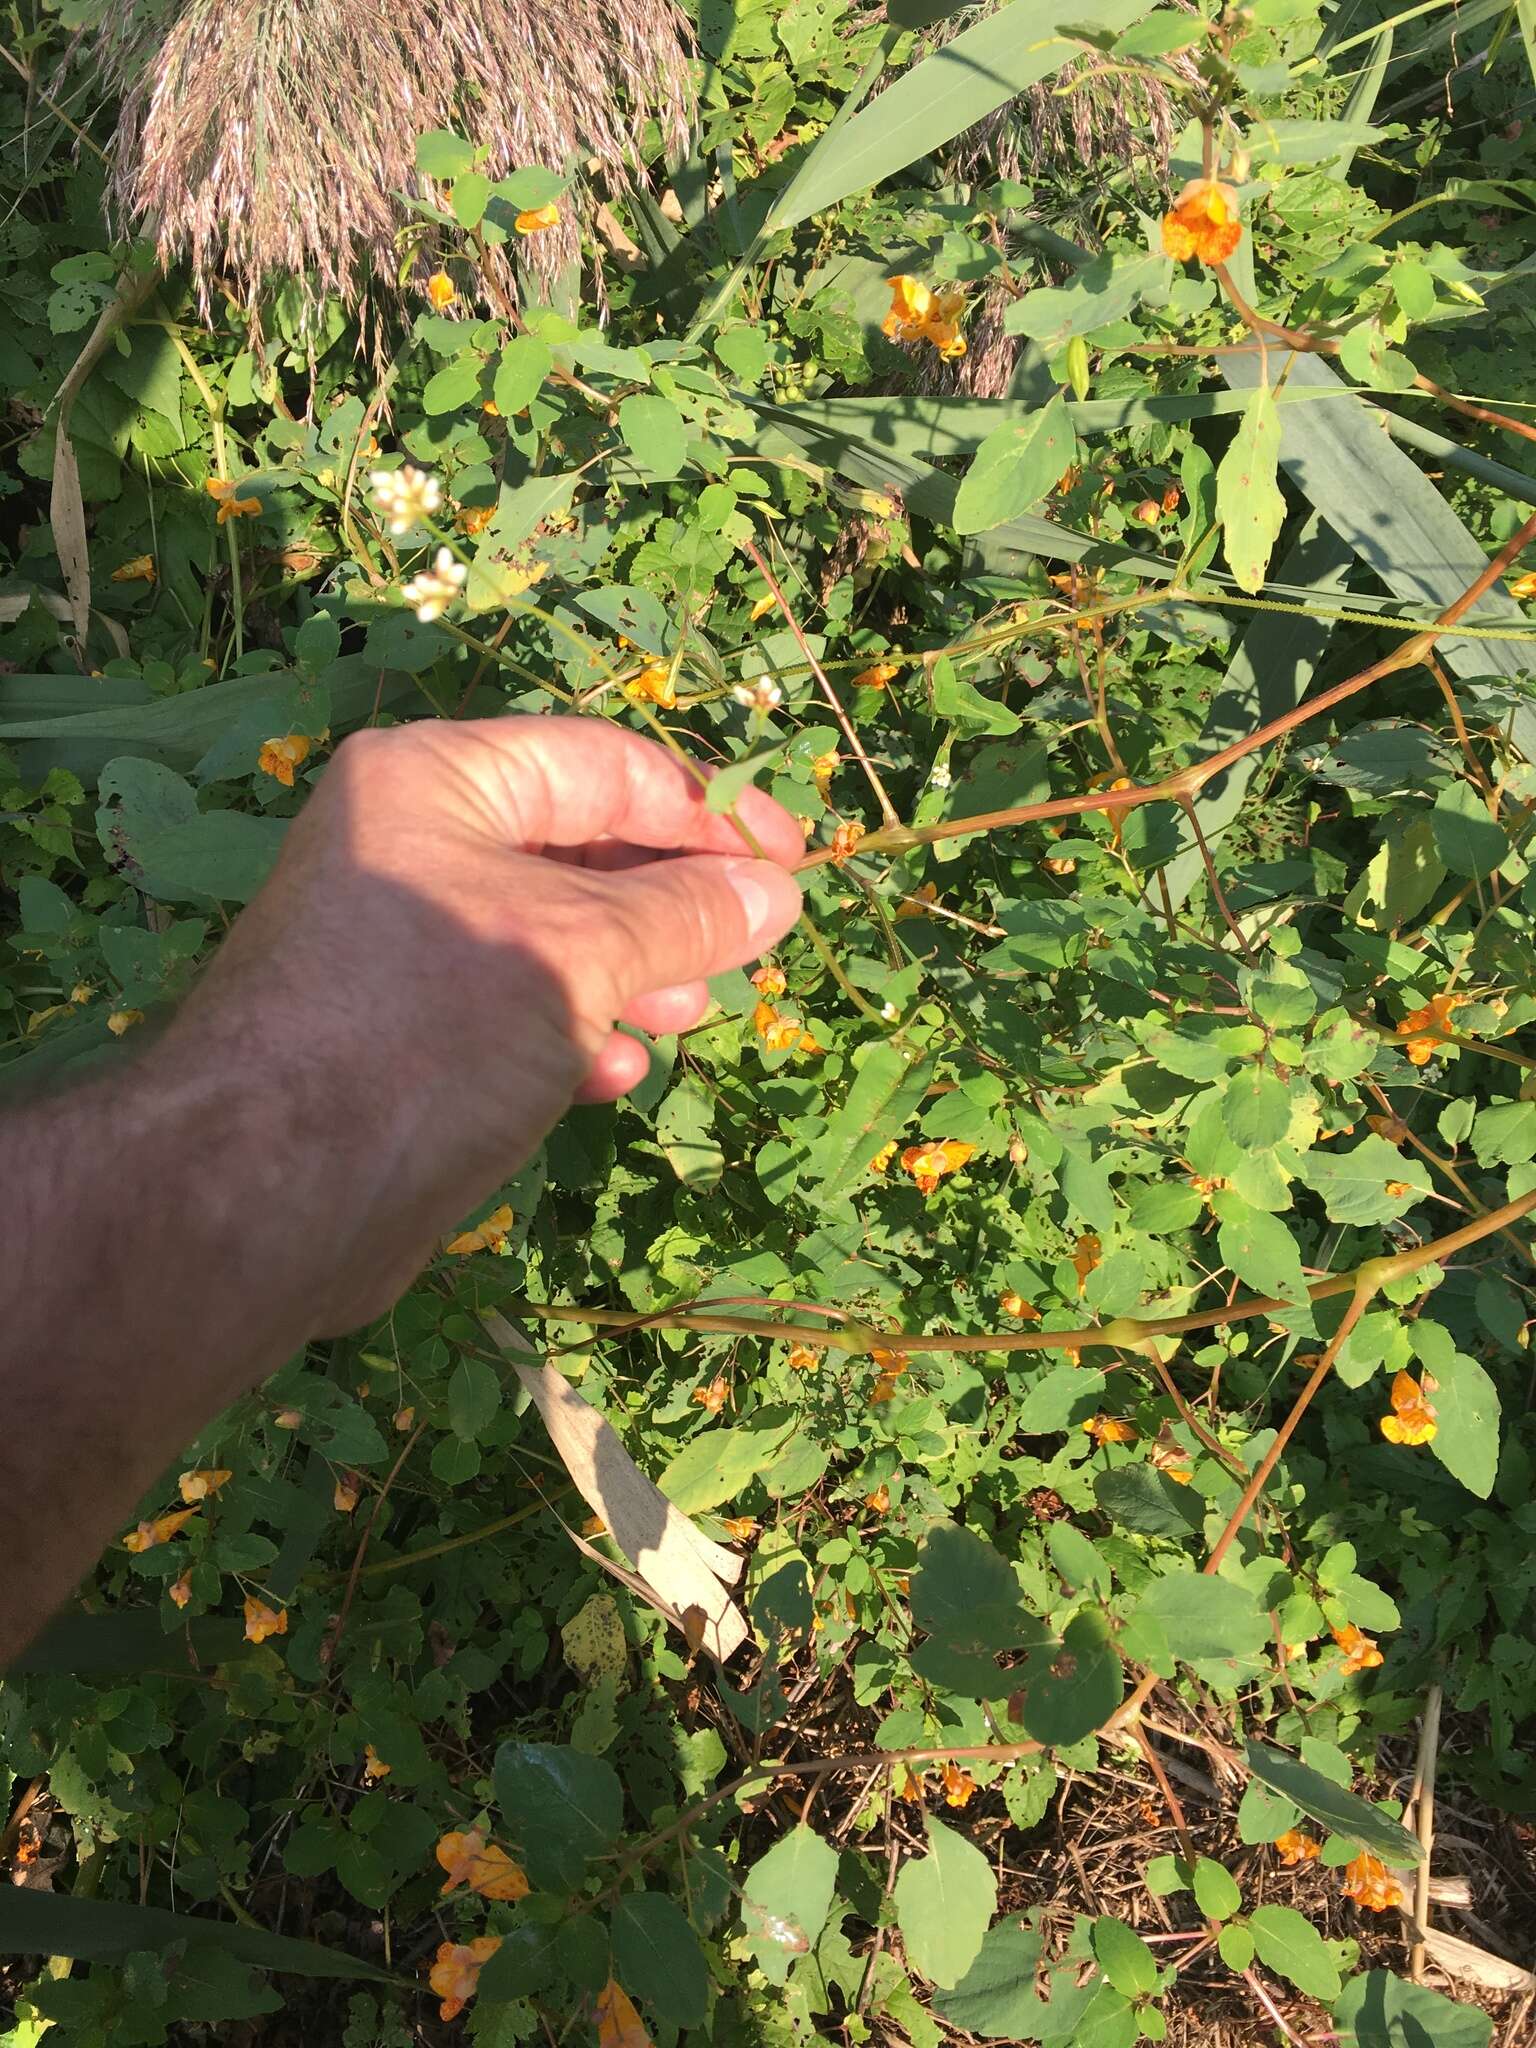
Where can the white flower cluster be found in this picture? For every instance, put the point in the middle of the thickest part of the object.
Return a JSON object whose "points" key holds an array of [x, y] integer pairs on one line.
{"points": [[431, 593], [761, 696], [405, 496]]}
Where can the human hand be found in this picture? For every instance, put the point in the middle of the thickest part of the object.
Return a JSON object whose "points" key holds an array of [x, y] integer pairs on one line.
{"points": [[460, 917]]}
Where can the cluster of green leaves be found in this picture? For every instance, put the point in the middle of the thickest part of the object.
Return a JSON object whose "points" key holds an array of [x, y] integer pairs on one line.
{"points": [[1172, 1092]]}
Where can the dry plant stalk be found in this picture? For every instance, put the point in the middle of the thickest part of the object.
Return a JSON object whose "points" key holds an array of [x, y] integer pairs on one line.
{"points": [[269, 140]]}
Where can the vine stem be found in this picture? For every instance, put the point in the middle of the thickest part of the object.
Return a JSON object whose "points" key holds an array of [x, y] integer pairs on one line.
{"points": [[1123, 1333]]}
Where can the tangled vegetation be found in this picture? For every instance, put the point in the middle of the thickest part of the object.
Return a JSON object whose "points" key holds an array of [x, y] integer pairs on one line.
{"points": [[1073, 1297]]}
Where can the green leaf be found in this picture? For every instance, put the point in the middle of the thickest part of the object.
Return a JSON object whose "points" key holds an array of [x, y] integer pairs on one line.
{"points": [[1354, 1184], [520, 372], [454, 388], [474, 1398], [1071, 1690], [959, 85], [1306, 142], [1380, 2010], [1258, 1109], [1148, 1502], [1236, 1947], [1292, 1945], [720, 1463], [655, 435], [522, 507], [1124, 1957], [129, 1642], [471, 189], [996, 1998], [1259, 1247], [1205, 1618], [1468, 840], [442, 154], [658, 1957], [890, 1083], [35, 1922], [560, 1806], [944, 1901], [1216, 1890], [163, 844], [1467, 1412], [961, 702], [1015, 468], [1332, 1806], [1064, 1395], [1248, 499], [786, 1899], [685, 1130], [727, 784], [1103, 291]]}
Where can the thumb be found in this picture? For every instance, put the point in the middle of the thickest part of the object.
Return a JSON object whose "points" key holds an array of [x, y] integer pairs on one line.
{"points": [[688, 919]]}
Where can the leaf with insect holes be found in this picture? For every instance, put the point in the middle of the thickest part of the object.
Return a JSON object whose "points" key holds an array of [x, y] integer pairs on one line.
{"points": [[786, 1899], [1015, 468], [1249, 502]]}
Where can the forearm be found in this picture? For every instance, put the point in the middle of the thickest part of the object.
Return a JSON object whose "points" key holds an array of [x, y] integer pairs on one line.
{"points": [[170, 1236]]}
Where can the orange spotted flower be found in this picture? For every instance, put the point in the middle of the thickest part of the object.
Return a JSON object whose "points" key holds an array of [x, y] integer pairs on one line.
{"points": [[141, 569], [1370, 1884], [180, 1590], [487, 1236], [279, 758], [877, 676], [1524, 586], [470, 1859], [440, 291], [1297, 1846], [823, 768], [201, 1485], [1109, 1429], [1015, 1305], [803, 1358], [374, 1766], [879, 1501], [714, 1396], [920, 314], [1412, 1420], [1171, 1458], [928, 1164], [1360, 1651], [883, 1157], [262, 1621], [533, 220], [1423, 1031], [455, 1976], [1203, 223], [959, 1786], [770, 981], [653, 685], [150, 1535], [230, 507], [1085, 1257], [845, 840], [740, 1528], [916, 905], [347, 1492]]}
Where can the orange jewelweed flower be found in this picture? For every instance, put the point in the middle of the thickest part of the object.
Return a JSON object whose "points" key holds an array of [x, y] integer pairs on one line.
{"points": [[884, 1389], [180, 1590], [140, 570], [877, 676], [262, 1621], [1109, 1429], [1086, 1256], [1424, 1030], [1296, 1846], [1204, 223], [1360, 1651], [1016, 1306], [374, 1766], [533, 220], [879, 1501], [1147, 513], [883, 1157], [150, 1535], [475, 518], [119, 1021], [1171, 1458], [823, 768], [653, 685], [279, 758], [441, 291], [740, 1528], [230, 507], [911, 1786], [928, 1164], [469, 1859], [920, 314], [1412, 1420], [488, 1236], [1370, 1884], [618, 2024], [196, 1486], [1171, 498], [455, 1976], [1524, 586], [845, 841], [959, 1786], [288, 1418], [404, 1417], [782, 1034], [347, 1492], [802, 1358], [714, 1396], [916, 905], [770, 980]]}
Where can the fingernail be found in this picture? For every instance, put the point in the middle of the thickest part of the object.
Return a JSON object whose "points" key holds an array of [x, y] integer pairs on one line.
{"points": [[745, 877]]}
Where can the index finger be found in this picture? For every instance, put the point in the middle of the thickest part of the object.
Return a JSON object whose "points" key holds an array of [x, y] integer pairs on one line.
{"points": [[565, 781]]}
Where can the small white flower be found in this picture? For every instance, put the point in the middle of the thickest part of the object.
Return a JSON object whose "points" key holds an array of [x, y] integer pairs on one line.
{"points": [[889, 1012], [405, 496], [761, 696], [431, 593], [940, 778]]}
